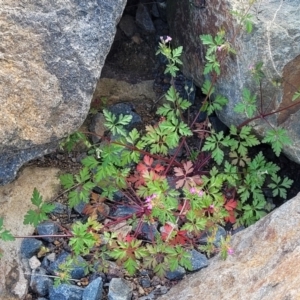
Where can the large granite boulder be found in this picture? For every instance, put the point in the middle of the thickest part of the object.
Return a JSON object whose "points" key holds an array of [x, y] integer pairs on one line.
{"points": [[274, 41], [51, 54], [264, 264]]}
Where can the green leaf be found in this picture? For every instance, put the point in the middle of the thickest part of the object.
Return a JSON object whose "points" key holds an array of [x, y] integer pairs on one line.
{"points": [[67, 180], [33, 218], [248, 25], [177, 51], [207, 39], [6, 236], [278, 138], [89, 162], [36, 198], [208, 88], [248, 104], [296, 95]]}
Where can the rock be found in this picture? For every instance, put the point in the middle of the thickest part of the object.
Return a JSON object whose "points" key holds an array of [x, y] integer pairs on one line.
{"points": [[47, 228], [149, 231], [94, 290], [274, 41], [97, 127], [126, 109], [127, 25], [80, 207], [14, 203], [34, 262], [145, 281], [118, 90], [221, 233], [123, 211], [52, 54], [262, 266], [59, 208], [154, 10], [40, 283], [143, 19], [176, 274], [119, 289], [30, 247], [77, 271], [66, 292], [198, 260]]}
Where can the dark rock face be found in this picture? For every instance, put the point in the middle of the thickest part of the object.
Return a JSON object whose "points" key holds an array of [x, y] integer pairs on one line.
{"points": [[52, 53], [274, 41]]}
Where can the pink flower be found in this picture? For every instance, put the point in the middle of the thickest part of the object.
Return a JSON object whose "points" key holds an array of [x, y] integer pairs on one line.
{"points": [[200, 193], [168, 39], [230, 251], [212, 206], [148, 201], [192, 190]]}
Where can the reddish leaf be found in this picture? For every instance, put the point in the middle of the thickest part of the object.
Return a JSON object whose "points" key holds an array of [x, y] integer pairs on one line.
{"points": [[129, 238], [158, 168], [136, 179], [178, 172], [180, 183], [166, 230], [231, 218], [188, 167], [141, 168], [230, 205], [148, 160]]}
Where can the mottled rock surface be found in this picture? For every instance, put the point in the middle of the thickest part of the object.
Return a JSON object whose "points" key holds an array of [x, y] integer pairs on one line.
{"points": [[274, 41], [51, 53], [263, 266], [14, 203]]}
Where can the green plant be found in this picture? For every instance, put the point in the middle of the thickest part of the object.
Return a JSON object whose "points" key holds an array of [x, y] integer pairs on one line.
{"points": [[201, 200], [38, 215], [5, 234]]}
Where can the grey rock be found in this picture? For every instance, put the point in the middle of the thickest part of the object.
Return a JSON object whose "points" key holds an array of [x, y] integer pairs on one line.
{"points": [[176, 274], [30, 247], [97, 127], [59, 208], [80, 207], [198, 260], [77, 268], [47, 228], [274, 41], [52, 55], [126, 109], [154, 10], [66, 292], [159, 290], [127, 25], [218, 125], [123, 211], [94, 290], [149, 231], [221, 233], [119, 289], [145, 282], [143, 19], [40, 283]]}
